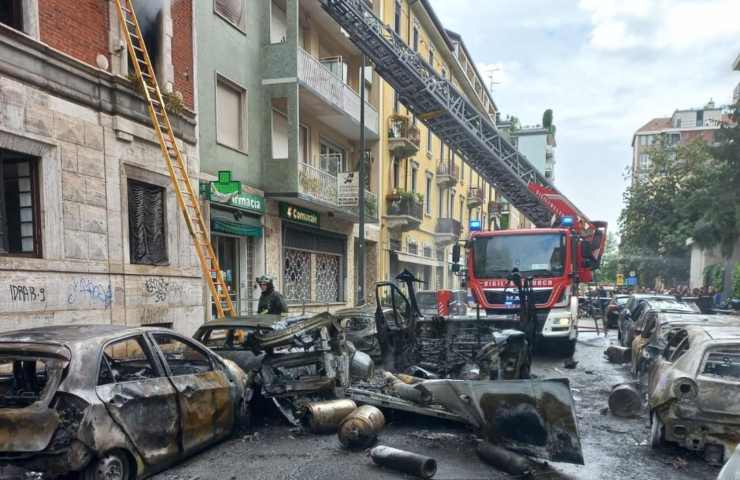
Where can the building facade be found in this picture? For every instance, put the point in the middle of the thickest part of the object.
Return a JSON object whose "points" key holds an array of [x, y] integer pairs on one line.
{"points": [[90, 230], [429, 194], [538, 145]]}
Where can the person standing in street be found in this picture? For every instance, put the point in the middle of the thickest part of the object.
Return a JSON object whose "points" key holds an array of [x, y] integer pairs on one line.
{"points": [[270, 302]]}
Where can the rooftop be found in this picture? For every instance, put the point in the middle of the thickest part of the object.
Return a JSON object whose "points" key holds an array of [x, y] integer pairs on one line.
{"points": [[656, 124]]}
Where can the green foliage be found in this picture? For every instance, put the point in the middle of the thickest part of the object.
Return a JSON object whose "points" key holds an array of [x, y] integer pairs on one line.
{"points": [[547, 119], [607, 273], [714, 276]]}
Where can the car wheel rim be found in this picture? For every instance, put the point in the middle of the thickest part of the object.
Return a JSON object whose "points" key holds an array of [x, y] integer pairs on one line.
{"points": [[111, 468]]}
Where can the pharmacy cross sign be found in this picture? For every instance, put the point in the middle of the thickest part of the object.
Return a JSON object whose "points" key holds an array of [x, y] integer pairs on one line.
{"points": [[229, 192]]}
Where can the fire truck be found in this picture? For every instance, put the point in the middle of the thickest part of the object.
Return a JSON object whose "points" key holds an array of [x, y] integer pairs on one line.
{"points": [[528, 278]]}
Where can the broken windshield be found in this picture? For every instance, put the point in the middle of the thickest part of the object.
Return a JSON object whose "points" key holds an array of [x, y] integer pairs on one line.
{"points": [[724, 362], [537, 254]]}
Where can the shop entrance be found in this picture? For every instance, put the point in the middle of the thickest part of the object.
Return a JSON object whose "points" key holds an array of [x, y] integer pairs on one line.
{"points": [[227, 251]]}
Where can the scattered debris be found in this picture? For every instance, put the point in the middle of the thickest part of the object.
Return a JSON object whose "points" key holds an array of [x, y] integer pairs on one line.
{"points": [[413, 393], [624, 400], [503, 459], [417, 371], [570, 364], [618, 354], [680, 463], [360, 428], [403, 461], [325, 417]]}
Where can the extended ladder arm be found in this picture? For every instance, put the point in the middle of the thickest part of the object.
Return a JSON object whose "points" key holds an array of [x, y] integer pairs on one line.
{"points": [[450, 115], [187, 198]]}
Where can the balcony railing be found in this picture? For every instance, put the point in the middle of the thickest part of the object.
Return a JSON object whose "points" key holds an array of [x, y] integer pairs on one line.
{"points": [[448, 226], [447, 174], [403, 136], [476, 197], [327, 84], [405, 204], [323, 185]]}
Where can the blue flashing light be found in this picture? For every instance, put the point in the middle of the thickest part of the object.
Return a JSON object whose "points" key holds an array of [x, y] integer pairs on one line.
{"points": [[566, 222], [475, 226]]}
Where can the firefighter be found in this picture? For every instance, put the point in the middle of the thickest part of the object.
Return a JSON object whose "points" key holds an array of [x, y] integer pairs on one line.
{"points": [[271, 302]]}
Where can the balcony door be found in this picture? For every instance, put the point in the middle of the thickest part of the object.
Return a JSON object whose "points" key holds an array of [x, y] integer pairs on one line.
{"points": [[333, 158]]}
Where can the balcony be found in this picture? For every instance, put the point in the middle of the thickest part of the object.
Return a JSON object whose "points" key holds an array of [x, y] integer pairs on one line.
{"points": [[403, 136], [447, 174], [405, 211], [331, 99], [476, 197], [319, 186], [447, 232]]}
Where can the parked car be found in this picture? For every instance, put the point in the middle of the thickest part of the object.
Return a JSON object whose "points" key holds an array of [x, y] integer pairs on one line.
{"points": [[613, 308], [112, 402], [694, 394], [638, 304], [458, 304], [655, 330]]}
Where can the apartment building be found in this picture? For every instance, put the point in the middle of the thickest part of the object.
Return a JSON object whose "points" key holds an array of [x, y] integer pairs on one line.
{"points": [[280, 133], [90, 230], [680, 128], [538, 144], [429, 194]]}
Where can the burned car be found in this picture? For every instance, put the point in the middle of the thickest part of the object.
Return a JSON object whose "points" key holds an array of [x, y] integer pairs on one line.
{"points": [[398, 336], [656, 334], [694, 396], [638, 305], [111, 402], [293, 361]]}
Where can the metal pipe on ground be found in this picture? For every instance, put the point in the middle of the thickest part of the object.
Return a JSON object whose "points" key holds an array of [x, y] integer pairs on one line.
{"points": [[624, 400], [360, 428], [325, 417], [413, 393], [403, 461], [503, 459]]}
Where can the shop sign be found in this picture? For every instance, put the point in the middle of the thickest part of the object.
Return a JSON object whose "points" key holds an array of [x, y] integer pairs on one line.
{"points": [[229, 192], [348, 186], [299, 214]]}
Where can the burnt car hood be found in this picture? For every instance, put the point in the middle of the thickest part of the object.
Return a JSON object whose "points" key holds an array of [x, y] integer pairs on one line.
{"points": [[536, 418]]}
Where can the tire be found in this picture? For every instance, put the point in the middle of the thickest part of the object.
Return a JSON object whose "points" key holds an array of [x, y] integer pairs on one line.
{"points": [[524, 372], [568, 348], [114, 465], [657, 431]]}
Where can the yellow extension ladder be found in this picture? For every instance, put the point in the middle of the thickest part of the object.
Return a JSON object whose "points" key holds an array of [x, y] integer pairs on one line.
{"points": [[186, 197]]}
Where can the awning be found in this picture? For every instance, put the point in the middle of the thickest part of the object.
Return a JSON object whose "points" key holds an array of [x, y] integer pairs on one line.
{"points": [[235, 224], [406, 258]]}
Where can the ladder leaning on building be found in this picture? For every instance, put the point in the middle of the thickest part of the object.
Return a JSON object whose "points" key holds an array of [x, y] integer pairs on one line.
{"points": [[187, 198]]}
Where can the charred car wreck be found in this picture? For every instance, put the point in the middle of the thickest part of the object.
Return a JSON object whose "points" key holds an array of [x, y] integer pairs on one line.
{"points": [[112, 402]]}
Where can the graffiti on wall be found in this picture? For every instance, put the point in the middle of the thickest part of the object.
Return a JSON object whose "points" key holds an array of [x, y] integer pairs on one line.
{"points": [[27, 294], [95, 292], [160, 289]]}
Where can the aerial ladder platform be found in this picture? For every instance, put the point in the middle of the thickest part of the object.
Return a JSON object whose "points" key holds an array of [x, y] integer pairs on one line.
{"points": [[187, 197], [451, 116]]}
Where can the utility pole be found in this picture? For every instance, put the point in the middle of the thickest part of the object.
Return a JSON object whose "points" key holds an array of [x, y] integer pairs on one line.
{"points": [[361, 194]]}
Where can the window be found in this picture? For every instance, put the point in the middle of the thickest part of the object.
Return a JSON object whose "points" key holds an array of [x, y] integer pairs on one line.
{"points": [[440, 199], [126, 361], [414, 172], [682, 348], [279, 135], [305, 146], [428, 196], [644, 161], [412, 247], [11, 13], [431, 56], [231, 125], [415, 39], [429, 141], [313, 266], [462, 210], [332, 158], [278, 23], [700, 118], [182, 358], [396, 173], [146, 222], [233, 11], [396, 102], [397, 18], [20, 229]]}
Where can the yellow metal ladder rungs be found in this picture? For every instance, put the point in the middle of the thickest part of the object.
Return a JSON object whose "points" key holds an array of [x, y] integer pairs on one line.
{"points": [[186, 197]]}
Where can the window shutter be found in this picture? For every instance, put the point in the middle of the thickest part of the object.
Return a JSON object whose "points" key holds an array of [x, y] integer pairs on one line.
{"points": [[231, 9]]}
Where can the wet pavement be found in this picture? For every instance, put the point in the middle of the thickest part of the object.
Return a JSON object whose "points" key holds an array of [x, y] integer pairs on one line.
{"points": [[614, 448]]}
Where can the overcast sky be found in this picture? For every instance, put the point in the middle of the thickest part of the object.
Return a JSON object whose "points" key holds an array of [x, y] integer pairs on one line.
{"points": [[605, 67]]}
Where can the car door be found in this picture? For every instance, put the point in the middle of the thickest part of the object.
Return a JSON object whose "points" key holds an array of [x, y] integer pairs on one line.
{"points": [[140, 398], [203, 390]]}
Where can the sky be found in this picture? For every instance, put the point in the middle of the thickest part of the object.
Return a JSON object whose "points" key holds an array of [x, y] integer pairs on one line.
{"points": [[605, 67]]}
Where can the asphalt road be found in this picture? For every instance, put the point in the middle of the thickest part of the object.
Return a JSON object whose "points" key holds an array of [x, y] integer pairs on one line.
{"points": [[614, 448]]}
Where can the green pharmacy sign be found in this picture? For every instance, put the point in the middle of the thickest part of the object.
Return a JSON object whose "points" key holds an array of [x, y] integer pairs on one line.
{"points": [[229, 192]]}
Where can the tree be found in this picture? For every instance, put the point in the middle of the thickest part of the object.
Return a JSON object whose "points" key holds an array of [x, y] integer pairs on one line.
{"points": [[607, 272], [662, 208]]}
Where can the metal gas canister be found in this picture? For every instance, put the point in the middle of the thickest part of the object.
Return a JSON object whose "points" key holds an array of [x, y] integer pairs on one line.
{"points": [[360, 428], [325, 417]]}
